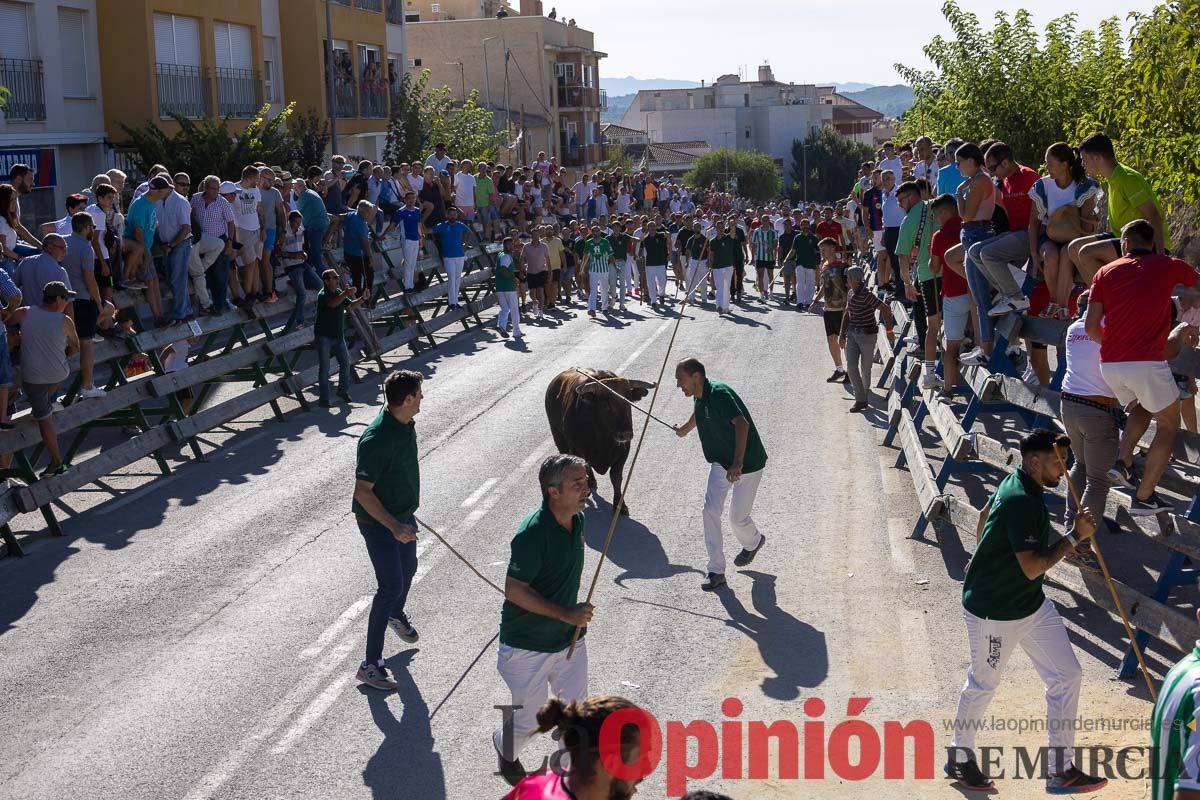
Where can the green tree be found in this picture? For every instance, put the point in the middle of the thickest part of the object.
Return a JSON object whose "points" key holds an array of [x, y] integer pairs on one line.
{"points": [[422, 116], [758, 176], [309, 133], [832, 161], [208, 146], [618, 156]]}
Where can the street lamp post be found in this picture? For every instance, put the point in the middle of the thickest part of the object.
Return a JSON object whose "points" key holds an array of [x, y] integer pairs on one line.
{"points": [[462, 74], [487, 75]]}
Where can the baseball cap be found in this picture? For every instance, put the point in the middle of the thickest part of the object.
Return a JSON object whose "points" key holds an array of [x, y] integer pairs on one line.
{"points": [[228, 187], [444, 173], [55, 289], [158, 182]]}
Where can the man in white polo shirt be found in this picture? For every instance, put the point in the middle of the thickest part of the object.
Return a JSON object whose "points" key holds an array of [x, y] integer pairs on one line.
{"points": [[248, 217]]}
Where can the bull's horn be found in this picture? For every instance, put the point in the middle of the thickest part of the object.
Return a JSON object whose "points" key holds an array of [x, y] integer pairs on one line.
{"points": [[589, 387], [636, 384]]}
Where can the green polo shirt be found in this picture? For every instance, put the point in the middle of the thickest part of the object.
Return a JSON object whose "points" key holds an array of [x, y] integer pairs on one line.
{"points": [[655, 245], [387, 457], [715, 410], [695, 245], [996, 587], [805, 250], [620, 245], [723, 250], [549, 558], [1127, 189], [331, 320]]}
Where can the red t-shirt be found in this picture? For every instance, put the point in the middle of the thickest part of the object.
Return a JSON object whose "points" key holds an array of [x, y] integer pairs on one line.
{"points": [[829, 229], [953, 284], [1039, 299], [1017, 201], [543, 786], [1136, 294]]}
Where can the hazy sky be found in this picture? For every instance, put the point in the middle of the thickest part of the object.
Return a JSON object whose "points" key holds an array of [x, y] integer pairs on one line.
{"points": [[806, 41]]}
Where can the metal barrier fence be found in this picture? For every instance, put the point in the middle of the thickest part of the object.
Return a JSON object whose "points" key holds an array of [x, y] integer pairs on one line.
{"points": [[996, 390], [253, 347]]}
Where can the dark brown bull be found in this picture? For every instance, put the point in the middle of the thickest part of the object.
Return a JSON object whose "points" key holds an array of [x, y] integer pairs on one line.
{"points": [[590, 422]]}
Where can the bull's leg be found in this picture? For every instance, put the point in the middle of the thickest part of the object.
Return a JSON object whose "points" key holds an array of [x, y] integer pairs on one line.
{"points": [[616, 473], [591, 478]]}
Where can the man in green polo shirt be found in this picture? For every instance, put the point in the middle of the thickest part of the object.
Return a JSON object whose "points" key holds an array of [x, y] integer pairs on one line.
{"points": [[329, 334], [654, 245], [1005, 609], [387, 491], [541, 608], [723, 251], [731, 445]]}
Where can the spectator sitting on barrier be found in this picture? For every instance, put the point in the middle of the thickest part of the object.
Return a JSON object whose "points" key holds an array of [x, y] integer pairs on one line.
{"points": [[356, 248], [1187, 310], [75, 203], [8, 228], [174, 358], [297, 265], [1129, 313], [88, 310], [329, 333], [1064, 206], [11, 296], [47, 340], [140, 229]]}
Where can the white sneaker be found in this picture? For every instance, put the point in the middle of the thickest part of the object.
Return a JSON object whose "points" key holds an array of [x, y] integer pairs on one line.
{"points": [[539, 313], [974, 358], [91, 392], [1002, 307], [931, 381]]}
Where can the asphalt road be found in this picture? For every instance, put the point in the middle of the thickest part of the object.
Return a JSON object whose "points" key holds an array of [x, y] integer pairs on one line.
{"points": [[199, 638]]}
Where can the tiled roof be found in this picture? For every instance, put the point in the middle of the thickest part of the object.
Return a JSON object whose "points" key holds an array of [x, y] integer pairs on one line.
{"points": [[613, 129], [661, 154]]}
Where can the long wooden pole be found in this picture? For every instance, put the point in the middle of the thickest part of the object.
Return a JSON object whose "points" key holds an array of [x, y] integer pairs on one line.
{"points": [[1137, 651]]}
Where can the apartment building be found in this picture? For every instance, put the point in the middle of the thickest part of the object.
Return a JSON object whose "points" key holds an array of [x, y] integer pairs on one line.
{"points": [[54, 119], [547, 91], [851, 118], [764, 115]]}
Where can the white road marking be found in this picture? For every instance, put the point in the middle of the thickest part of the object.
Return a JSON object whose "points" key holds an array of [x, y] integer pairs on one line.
{"points": [[478, 493], [336, 627], [642, 347], [311, 714]]}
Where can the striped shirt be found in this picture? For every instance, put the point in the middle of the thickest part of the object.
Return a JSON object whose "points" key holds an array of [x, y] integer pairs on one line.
{"points": [[764, 243], [599, 253], [213, 217], [1173, 738], [861, 306]]}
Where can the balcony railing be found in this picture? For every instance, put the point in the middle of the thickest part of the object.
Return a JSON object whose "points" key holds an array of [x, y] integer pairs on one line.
{"points": [[27, 98], [345, 3], [577, 96], [580, 155], [374, 101], [182, 90], [239, 93], [345, 98], [395, 12], [369, 5]]}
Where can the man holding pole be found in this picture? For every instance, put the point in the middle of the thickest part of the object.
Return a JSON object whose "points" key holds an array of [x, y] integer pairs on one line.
{"points": [[541, 611], [732, 446], [1006, 608], [387, 491]]}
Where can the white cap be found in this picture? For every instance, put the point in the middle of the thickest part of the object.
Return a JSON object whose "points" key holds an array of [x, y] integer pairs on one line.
{"points": [[227, 187]]}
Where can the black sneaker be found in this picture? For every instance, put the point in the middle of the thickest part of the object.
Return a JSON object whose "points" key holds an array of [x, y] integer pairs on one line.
{"points": [[376, 676], [969, 775], [838, 376], [1151, 505], [513, 772], [1122, 475], [714, 581], [859, 405], [1074, 781], [54, 469], [403, 628], [746, 556]]}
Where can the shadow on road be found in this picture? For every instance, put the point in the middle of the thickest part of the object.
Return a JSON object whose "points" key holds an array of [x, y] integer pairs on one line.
{"points": [[795, 650], [407, 763], [634, 549]]}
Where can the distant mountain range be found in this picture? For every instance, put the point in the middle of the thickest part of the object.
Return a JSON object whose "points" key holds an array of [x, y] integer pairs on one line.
{"points": [[891, 101]]}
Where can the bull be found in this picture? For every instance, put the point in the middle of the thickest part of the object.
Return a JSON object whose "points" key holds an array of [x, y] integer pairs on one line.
{"points": [[588, 421]]}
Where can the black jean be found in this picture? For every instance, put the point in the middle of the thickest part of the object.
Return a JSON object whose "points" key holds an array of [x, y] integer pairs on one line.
{"points": [[395, 563]]}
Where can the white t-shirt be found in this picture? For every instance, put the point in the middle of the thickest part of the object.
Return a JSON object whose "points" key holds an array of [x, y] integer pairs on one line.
{"points": [[581, 192], [601, 205], [63, 226], [10, 236], [177, 359], [438, 164], [623, 203], [927, 171], [98, 217], [464, 189], [1083, 364], [245, 207], [778, 224], [1056, 196], [896, 166]]}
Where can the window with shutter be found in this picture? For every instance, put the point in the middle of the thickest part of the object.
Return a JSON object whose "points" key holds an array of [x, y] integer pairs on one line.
{"points": [[73, 41], [221, 37], [177, 40], [14, 30], [164, 39], [241, 53]]}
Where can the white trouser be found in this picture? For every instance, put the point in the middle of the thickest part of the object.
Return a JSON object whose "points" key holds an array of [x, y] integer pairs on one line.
{"points": [[723, 276], [412, 252], [454, 270], [509, 307], [204, 253], [697, 271], [991, 642], [598, 292], [631, 278], [531, 676], [806, 285], [656, 282], [740, 506]]}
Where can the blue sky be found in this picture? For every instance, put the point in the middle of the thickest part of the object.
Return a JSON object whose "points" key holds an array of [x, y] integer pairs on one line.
{"points": [[805, 42]]}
